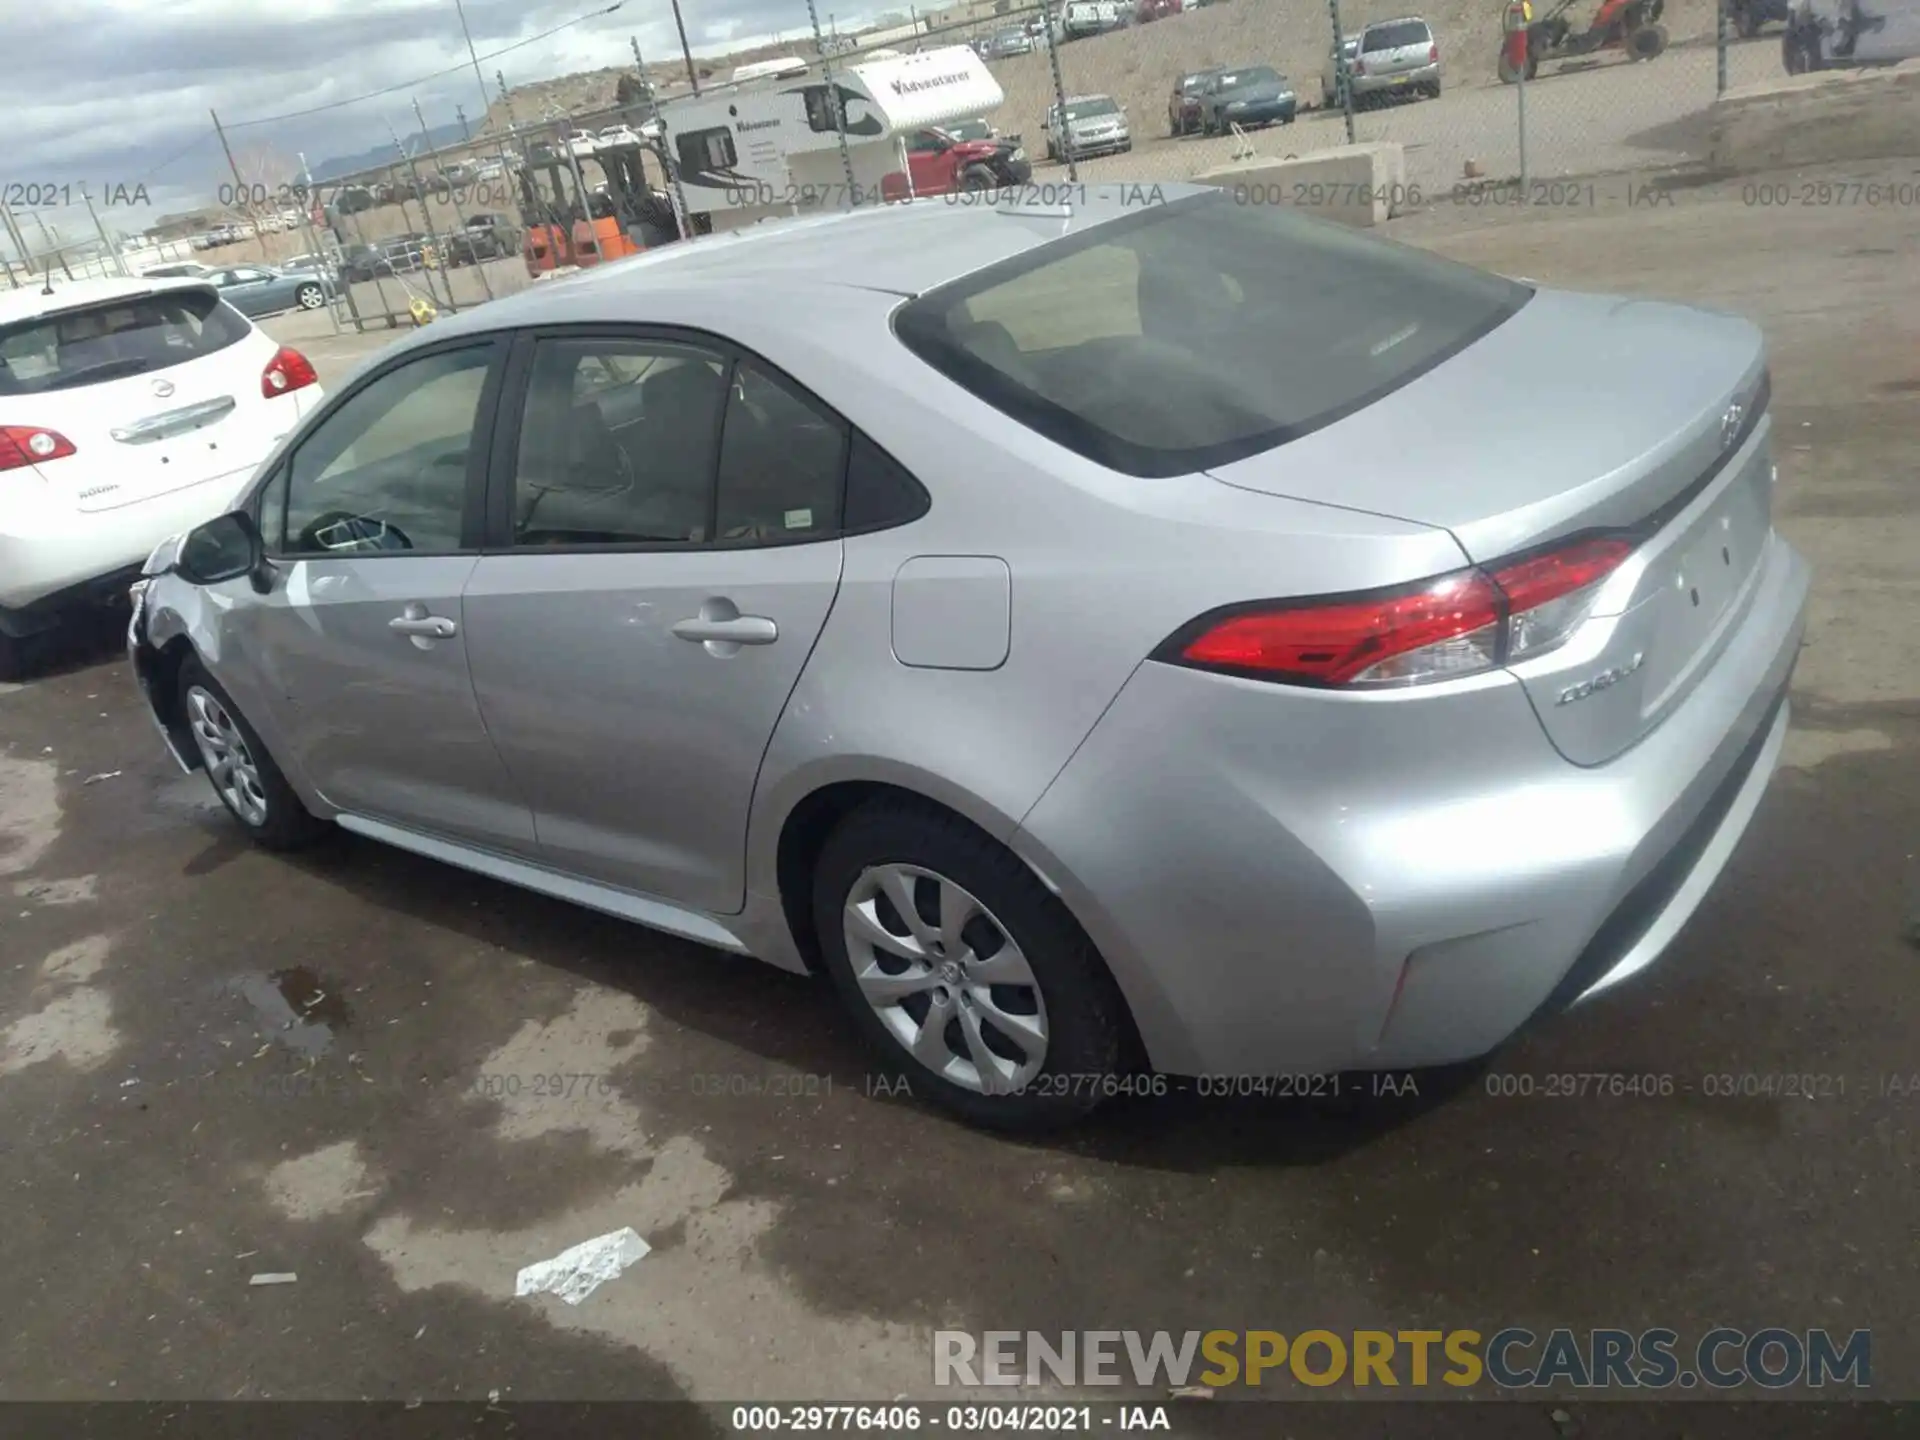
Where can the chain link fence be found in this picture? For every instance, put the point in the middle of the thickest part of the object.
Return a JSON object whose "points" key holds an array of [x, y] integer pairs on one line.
{"points": [[1132, 91]]}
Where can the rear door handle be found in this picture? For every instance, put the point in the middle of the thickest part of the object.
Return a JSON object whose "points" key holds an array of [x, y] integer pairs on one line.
{"points": [[739, 630]]}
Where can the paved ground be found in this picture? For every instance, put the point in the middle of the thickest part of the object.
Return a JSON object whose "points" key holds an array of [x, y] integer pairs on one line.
{"points": [[215, 1063]]}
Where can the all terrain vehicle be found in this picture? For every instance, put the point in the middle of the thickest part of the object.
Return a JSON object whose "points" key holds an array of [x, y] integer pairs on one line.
{"points": [[1630, 25]]}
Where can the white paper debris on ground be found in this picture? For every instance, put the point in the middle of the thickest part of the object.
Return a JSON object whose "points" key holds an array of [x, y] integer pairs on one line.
{"points": [[277, 1277], [576, 1273], [103, 775]]}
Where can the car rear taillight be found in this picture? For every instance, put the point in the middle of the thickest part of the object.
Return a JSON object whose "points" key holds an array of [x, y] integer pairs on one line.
{"points": [[1458, 624], [1359, 67], [1433, 54], [288, 371], [24, 445]]}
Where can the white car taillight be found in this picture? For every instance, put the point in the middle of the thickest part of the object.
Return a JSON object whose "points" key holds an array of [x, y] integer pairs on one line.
{"points": [[24, 445], [288, 371]]}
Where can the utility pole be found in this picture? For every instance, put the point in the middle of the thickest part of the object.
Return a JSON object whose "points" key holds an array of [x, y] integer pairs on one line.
{"points": [[19, 245], [474, 56], [239, 185], [686, 50], [466, 133], [107, 246]]}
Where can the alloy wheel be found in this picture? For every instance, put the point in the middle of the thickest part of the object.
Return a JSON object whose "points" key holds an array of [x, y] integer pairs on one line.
{"points": [[946, 979], [229, 761]]}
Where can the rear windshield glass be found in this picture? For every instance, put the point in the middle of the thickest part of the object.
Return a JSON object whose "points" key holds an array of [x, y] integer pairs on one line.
{"points": [[1392, 37], [1087, 109], [1253, 75], [1199, 332], [114, 340]]}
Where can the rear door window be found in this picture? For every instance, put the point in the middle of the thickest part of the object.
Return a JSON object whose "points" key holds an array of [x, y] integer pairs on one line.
{"points": [[113, 340], [1397, 36]]}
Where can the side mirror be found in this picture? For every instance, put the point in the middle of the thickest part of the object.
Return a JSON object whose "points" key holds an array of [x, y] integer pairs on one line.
{"points": [[225, 549]]}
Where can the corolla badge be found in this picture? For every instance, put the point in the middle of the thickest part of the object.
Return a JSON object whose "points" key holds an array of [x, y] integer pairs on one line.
{"points": [[163, 388], [1730, 424], [1605, 680]]}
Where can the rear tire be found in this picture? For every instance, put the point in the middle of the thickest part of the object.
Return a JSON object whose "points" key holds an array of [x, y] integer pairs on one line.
{"points": [[1010, 1019], [1801, 51], [1647, 42], [310, 297], [243, 774]]}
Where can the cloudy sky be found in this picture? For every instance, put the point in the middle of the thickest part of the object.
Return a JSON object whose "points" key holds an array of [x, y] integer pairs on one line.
{"points": [[137, 78]]}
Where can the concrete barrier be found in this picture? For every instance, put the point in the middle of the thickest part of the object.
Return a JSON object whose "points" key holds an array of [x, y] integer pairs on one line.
{"points": [[1813, 119], [1356, 184]]}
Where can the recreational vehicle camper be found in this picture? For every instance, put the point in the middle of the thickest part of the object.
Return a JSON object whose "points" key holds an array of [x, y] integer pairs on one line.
{"points": [[773, 148]]}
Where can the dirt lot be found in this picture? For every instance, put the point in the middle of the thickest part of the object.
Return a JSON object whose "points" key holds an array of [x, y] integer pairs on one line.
{"points": [[216, 1063]]}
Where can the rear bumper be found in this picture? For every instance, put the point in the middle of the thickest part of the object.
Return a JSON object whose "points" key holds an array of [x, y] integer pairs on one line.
{"points": [[1309, 882], [1404, 80], [52, 559], [1105, 145]]}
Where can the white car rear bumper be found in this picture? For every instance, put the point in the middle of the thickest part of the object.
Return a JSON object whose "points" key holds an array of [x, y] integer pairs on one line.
{"points": [[47, 547]]}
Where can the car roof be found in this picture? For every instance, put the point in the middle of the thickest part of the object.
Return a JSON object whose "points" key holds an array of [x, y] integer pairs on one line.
{"points": [[1402, 20], [29, 301], [905, 250]]}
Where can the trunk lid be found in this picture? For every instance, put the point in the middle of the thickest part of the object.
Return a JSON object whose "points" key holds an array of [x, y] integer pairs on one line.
{"points": [[1579, 413], [1401, 48], [163, 428]]}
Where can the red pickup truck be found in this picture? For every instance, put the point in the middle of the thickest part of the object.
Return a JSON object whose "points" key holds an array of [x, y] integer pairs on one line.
{"points": [[941, 163]]}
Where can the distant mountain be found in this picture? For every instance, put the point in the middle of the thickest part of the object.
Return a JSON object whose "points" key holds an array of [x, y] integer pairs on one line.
{"points": [[416, 143]]}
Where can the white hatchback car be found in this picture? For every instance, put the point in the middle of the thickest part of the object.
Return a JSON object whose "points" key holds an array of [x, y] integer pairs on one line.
{"points": [[130, 410]]}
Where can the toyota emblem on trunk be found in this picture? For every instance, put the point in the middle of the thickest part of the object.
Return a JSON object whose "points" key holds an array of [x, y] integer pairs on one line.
{"points": [[163, 388], [1730, 424]]}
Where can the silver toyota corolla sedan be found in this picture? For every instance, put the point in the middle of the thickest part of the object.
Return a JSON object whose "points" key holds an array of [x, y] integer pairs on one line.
{"points": [[1039, 622]]}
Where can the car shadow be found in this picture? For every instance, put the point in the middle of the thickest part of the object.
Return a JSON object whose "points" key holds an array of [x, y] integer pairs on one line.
{"points": [[796, 1024]]}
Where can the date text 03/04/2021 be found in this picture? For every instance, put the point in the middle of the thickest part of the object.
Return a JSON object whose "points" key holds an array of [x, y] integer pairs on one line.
{"points": [[970, 1419]]}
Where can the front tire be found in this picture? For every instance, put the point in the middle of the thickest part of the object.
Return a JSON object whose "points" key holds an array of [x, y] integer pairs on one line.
{"points": [[238, 766], [310, 297], [967, 977]]}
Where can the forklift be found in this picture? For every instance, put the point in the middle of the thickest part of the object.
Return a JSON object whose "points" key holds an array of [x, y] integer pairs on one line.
{"points": [[1630, 25], [622, 216]]}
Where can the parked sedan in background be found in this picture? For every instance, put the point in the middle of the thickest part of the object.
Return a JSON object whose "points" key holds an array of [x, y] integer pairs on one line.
{"points": [[1183, 106], [1395, 761], [256, 290], [1091, 125], [1005, 44], [1252, 96]]}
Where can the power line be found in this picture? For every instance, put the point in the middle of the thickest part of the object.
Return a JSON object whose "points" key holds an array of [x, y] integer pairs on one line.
{"points": [[423, 79]]}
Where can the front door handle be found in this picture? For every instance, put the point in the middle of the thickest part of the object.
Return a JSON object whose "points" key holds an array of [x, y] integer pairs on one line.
{"points": [[417, 624], [734, 630], [434, 627]]}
